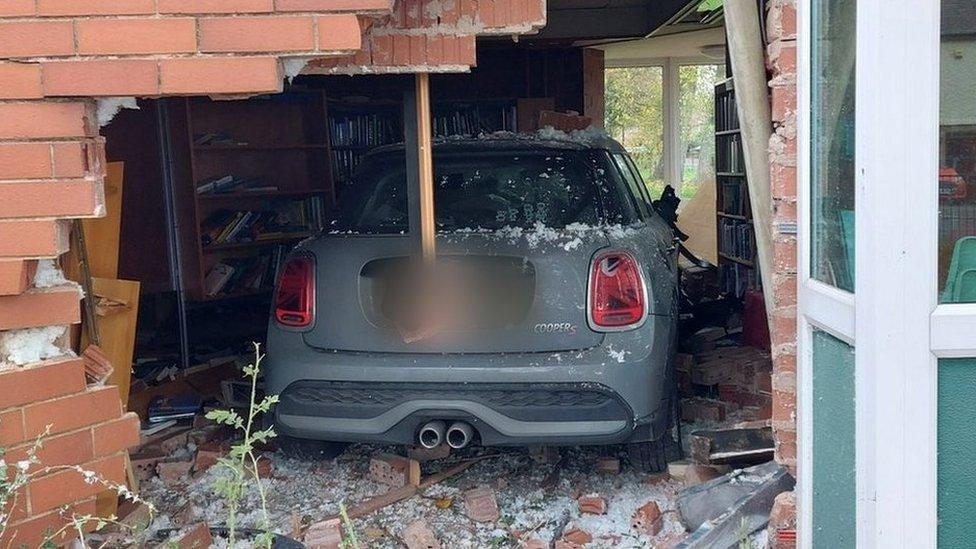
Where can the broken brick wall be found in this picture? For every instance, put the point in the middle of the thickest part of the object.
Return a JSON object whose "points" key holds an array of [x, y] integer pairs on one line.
{"points": [[57, 57], [781, 63]]}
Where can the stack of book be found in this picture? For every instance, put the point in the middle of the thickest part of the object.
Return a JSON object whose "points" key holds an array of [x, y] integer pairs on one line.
{"points": [[291, 219]]}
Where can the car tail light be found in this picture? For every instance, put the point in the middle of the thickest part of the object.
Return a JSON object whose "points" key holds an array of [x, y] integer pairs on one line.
{"points": [[617, 294], [294, 303]]}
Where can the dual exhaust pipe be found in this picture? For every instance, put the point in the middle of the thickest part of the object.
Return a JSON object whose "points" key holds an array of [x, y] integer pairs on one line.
{"points": [[457, 436]]}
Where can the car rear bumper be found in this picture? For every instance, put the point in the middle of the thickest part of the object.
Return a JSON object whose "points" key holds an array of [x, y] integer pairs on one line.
{"points": [[616, 392], [508, 413]]}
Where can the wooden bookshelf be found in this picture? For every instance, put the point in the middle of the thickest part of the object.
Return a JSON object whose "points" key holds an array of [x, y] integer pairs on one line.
{"points": [[276, 145], [736, 236]]}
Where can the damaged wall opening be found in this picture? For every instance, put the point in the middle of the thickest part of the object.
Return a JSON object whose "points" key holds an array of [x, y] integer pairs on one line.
{"points": [[550, 319]]}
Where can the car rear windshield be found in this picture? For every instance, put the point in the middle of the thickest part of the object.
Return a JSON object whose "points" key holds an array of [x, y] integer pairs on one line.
{"points": [[481, 190]]}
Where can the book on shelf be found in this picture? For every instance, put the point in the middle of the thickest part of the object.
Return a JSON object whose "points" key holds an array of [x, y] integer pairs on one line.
{"points": [[737, 239], [364, 130], [240, 275], [284, 219], [733, 196]]}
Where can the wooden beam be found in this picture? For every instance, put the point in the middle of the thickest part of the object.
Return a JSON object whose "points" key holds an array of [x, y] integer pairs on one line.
{"points": [[426, 167]]}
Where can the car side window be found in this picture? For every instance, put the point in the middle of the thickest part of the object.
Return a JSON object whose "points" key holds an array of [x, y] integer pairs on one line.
{"points": [[635, 185]]}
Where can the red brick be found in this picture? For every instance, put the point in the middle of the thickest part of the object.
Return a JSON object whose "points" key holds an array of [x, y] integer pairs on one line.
{"points": [[216, 6], [783, 180], [16, 276], [68, 449], [17, 8], [197, 538], [56, 489], [132, 36], [326, 534], [257, 34], [221, 75], [94, 7], [592, 504], [783, 102], [647, 519], [36, 38], [784, 211], [390, 469], [69, 159], [110, 77], [785, 447], [382, 50], [401, 50], [784, 255], [339, 32], [34, 238], [117, 435], [12, 427], [40, 308], [173, 472], [480, 504], [359, 6], [20, 81], [39, 530], [435, 49], [43, 119], [782, 517], [72, 412], [73, 197], [41, 382], [418, 49], [25, 160], [697, 474]]}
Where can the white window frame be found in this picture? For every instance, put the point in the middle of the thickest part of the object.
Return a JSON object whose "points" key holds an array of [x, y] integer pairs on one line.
{"points": [[899, 330]]}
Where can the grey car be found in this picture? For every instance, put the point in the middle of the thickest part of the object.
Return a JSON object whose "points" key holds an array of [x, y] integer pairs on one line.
{"points": [[573, 325]]}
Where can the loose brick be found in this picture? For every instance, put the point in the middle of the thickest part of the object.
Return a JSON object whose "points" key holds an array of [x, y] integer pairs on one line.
{"points": [[94, 7], [69, 198], [43, 120], [113, 77], [36, 39], [647, 519], [42, 381], [231, 75], [480, 504], [592, 504], [257, 34], [421, 454], [173, 472], [16, 276], [358, 6], [197, 538], [205, 459], [35, 238], [144, 464], [390, 469], [72, 412], [782, 518], [326, 534], [58, 306], [608, 465], [54, 490], [338, 32], [115, 436], [697, 474], [419, 535], [20, 81], [577, 536], [215, 6], [134, 36], [382, 50], [24, 160]]}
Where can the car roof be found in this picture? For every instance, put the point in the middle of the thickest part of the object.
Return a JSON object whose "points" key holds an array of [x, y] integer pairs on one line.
{"points": [[547, 139]]}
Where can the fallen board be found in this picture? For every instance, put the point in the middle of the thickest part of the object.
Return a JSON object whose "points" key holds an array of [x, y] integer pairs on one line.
{"points": [[740, 446]]}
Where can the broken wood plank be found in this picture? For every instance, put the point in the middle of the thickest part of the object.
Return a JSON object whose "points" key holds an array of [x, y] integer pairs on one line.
{"points": [[740, 446]]}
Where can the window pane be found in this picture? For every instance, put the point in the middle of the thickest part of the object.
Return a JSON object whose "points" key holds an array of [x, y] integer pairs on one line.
{"points": [[696, 104], [832, 145], [634, 107], [957, 156], [834, 497], [956, 490]]}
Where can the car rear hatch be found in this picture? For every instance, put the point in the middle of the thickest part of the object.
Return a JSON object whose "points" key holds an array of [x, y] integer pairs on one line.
{"points": [[525, 292]]}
